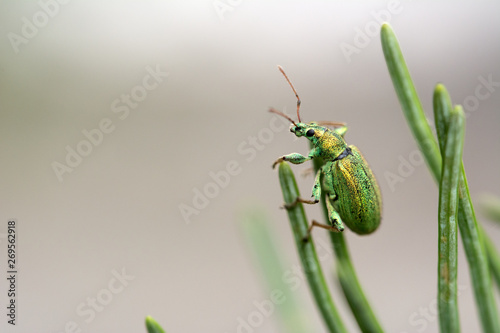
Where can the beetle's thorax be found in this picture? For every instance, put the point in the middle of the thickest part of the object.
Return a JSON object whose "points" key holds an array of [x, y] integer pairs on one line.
{"points": [[332, 145]]}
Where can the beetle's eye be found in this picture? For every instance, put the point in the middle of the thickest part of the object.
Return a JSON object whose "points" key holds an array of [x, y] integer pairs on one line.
{"points": [[310, 133]]}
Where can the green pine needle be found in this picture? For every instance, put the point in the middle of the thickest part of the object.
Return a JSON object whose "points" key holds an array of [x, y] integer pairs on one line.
{"points": [[307, 252], [469, 230], [152, 326], [452, 144]]}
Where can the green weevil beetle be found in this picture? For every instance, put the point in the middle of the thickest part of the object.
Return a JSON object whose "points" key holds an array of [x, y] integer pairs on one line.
{"points": [[352, 193]]}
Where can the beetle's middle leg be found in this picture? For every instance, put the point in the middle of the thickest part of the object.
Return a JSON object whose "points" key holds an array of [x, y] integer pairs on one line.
{"points": [[335, 225], [316, 194]]}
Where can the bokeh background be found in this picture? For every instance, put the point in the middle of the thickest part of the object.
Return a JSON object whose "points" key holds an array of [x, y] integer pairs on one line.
{"points": [[70, 68]]}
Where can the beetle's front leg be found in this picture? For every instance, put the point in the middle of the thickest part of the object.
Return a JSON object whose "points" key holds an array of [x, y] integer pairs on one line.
{"points": [[296, 158]]}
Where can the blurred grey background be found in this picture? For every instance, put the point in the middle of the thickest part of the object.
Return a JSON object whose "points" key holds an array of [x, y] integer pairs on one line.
{"points": [[116, 115]]}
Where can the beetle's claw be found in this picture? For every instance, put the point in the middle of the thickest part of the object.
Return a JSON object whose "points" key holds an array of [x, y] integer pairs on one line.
{"points": [[339, 227], [279, 160], [306, 238]]}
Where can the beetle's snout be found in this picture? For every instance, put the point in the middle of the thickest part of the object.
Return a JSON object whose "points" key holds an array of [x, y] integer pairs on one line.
{"points": [[297, 129]]}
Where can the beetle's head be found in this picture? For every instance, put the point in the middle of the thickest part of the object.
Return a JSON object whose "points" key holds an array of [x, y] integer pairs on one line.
{"points": [[311, 131]]}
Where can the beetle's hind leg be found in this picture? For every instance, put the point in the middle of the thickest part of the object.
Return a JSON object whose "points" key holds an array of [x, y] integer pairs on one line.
{"points": [[334, 219], [315, 223]]}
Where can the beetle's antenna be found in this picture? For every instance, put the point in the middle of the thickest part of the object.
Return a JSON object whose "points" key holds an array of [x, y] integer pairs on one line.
{"points": [[295, 91], [282, 114]]}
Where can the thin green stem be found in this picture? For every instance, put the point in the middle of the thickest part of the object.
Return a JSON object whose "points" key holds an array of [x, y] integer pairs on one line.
{"points": [[360, 307], [452, 146], [307, 251], [467, 223]]}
